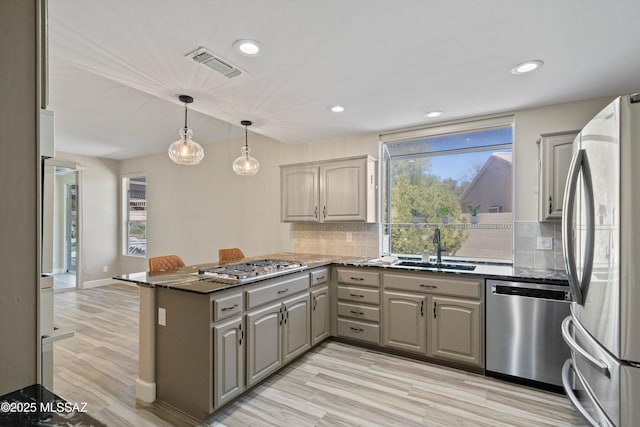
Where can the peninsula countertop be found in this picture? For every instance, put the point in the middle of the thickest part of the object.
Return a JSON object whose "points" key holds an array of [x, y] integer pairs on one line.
{"points": [[188, 279]]}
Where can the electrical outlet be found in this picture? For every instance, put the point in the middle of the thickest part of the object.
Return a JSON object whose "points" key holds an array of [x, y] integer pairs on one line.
{"points": [[162, 316], [349, 236], [105, 268], [545, 243]]}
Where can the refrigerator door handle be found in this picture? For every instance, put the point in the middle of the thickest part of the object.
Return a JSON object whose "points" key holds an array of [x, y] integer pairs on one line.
{"points": [[566, 384], [573, 345], [579, 288]]}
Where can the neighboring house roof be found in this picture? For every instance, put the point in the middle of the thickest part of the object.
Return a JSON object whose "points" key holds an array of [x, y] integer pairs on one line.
{"points": [[505, 158]]}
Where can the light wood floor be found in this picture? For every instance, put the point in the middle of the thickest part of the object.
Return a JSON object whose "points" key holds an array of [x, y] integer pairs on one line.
{"points": [[334, 384]]}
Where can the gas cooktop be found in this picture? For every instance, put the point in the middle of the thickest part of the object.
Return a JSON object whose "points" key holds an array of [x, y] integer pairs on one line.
{"points": [[251, 271]]}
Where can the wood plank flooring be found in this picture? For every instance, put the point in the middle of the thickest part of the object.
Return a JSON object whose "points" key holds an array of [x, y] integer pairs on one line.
{"points": [[333, 385]]}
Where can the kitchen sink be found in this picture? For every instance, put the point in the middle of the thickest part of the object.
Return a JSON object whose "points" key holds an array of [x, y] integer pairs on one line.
{"points": [[438, 266]]}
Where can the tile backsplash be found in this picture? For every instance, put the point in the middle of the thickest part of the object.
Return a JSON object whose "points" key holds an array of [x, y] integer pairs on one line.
{"points": [[331, 239], [526, 253]]}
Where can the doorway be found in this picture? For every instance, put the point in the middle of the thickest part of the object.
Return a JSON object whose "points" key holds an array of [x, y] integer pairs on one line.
{"points": [[66, 226]]}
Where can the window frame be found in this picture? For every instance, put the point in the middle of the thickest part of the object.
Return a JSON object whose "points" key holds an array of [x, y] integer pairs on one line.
{"points": [[438, 130], [126, 221]]}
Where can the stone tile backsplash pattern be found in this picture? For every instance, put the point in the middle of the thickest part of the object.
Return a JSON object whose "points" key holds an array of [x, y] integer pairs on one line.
{"points": [[331, 239], [525, 243]]}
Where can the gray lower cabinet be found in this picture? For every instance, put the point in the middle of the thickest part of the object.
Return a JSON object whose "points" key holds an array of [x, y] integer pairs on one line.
{"points": [[319, 314], [405, 326], [276, 334], [295, 327], [264, 342], [454, 330], [228, 372]]}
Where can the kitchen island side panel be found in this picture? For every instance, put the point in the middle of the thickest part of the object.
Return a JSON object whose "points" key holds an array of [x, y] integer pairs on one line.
{"points": [[184, 359]]}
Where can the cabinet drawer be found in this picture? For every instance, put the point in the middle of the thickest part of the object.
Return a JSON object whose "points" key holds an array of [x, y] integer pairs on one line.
{"points": [[440, 284], [360, 312], [274, 289], [226, 305], [359, 331], [319, 276], [358, 277], [355, 294]]}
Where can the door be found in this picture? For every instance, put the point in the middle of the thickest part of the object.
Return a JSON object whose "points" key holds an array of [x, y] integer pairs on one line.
{"points": [[296, 327], [405, 323], [228, 350], [594, 252], [71, 227], [264, 347], [299, 193], [319, 315], [343, 195], [456, 332]]}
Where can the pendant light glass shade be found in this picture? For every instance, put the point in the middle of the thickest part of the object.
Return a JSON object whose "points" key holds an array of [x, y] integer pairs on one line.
{"points": [[245, 164], [185, 151]]}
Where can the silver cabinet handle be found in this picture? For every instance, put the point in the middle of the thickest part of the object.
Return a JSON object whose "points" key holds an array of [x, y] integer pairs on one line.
{"points": [[422, 285], [319, 278], [550, 205], [356, 329], [422, 308], [315, 212], [356, 295], [283, 291], [357, 313], [360, 279], [566, 335], [241, 334], [324, 212], [229, 307]]}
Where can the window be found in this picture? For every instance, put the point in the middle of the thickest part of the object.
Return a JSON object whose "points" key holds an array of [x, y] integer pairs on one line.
{"points": [[135, 216], [457, 178]]}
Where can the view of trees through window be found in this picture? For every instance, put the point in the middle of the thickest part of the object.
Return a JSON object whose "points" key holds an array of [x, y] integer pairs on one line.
{"points": [[460, 183]]}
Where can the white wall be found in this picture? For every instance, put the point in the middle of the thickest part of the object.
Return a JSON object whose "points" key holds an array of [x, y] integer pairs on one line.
{"points": [[98, 185], [195, 210]]}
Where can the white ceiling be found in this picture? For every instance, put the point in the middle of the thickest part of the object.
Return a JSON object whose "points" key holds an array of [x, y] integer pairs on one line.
{"points": [[117, 66]]}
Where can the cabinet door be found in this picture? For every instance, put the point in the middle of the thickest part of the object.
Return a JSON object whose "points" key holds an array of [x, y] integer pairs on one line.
{"points": [[555, 156], [405, 322], [319, 315], [343, 191], [296, 327], [263, 342], [456, 330], [300, 193], [228, 350]]}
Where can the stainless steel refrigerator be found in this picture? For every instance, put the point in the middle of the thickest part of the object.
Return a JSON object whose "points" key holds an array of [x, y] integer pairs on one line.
{"points": [[601, 245]]}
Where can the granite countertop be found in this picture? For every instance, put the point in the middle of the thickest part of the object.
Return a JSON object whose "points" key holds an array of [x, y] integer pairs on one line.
{"points": [[187, 278], [37, 406]]}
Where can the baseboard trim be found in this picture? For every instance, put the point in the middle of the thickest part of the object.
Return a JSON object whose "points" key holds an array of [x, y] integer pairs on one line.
{"points": [[96, 283], [145, 391]]}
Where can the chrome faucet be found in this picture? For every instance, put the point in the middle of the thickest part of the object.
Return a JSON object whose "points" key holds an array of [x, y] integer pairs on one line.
{"points": [[438, 243]]}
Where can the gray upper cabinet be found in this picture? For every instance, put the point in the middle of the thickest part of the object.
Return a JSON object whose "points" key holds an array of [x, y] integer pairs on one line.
{"points": [[341, 190], [555, 154], [299, 193]]}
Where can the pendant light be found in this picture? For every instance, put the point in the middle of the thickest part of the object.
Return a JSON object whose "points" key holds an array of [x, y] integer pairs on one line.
{"points": [[185, 151], [245, 164]]}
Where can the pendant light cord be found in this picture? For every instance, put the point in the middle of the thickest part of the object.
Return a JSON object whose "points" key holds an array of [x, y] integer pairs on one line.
{"points": [[246, 137], [185, 115]]}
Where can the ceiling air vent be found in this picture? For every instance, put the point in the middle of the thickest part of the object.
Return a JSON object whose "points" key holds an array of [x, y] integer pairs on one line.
{"points": [[214, 61]]}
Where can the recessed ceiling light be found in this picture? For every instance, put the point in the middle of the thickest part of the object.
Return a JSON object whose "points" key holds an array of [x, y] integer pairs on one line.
{"points": [[527, 67], [433, 114], [247, 47], [337, 108]]}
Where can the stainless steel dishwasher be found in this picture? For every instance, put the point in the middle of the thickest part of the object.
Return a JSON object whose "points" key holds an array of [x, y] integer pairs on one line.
{"points": [[523, 336]]}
